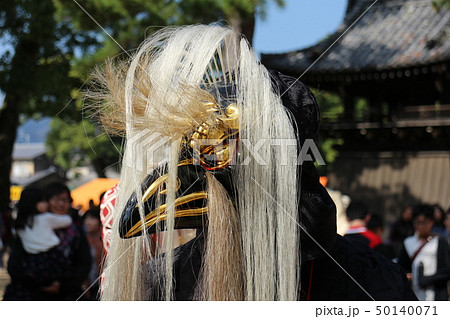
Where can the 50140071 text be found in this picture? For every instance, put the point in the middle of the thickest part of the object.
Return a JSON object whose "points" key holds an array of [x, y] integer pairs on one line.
{"points": [[406, 310]]}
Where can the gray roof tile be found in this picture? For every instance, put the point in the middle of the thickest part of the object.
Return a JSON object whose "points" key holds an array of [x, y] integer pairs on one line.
{"points": [[392, 34], [28, 151]]}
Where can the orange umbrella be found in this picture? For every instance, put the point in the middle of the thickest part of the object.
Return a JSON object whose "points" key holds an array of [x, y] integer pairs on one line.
{"points": [[91, 190]]}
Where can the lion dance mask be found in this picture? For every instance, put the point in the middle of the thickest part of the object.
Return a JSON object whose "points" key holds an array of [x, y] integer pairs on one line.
{"points": [[196, 107]]}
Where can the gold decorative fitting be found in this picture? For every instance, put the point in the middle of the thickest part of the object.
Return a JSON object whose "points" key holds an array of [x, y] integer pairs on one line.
{"points": [[212, 141], [213, 144], [157, 185]]}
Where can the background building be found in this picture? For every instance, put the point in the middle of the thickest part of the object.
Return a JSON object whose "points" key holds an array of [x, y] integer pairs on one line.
{"points": [[390, 65], [32, 167]]}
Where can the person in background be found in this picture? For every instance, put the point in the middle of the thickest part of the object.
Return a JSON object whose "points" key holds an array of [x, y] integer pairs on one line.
{"points": [[376, 226], [74, 242], [426, 257], [34, 227], [439, 219], [447, 226], [92, 225], [35, 224], [72, 256], [401, 229], [358, 216]]}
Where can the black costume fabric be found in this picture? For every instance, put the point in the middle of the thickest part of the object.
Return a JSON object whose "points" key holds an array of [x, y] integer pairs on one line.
{"points": [[68, 263], [317, 210], [359, 238], [380, 278], [321, 279]]}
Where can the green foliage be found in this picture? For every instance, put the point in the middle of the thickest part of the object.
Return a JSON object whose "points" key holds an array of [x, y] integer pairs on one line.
{"points": [[327, 148], [232, 8], [361, 110], [37, 57], [127, 24], [330, 105], [49, 47], [75, 144], [331, 110], [439, 4], [53, 45]]}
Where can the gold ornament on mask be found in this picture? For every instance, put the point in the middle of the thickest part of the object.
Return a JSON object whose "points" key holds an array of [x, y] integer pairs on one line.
{"points": [[214, 142]]}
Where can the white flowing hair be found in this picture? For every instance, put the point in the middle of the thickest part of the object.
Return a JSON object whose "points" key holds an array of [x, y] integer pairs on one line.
{"points": [[252, 250]]}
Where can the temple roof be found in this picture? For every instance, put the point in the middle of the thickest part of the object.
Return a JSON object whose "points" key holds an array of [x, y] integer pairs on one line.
{"points": [[391, 34], [28, 151]]}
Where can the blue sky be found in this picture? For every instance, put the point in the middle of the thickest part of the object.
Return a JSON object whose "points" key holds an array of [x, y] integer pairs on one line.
{"points": [[299, 24]]}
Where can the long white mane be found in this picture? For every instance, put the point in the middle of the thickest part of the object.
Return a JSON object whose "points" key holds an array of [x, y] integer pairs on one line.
{"points": [[252, 248]]}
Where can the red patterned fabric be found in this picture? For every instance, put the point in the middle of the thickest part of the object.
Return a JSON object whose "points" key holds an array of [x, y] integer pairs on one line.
{"points": [[106, 215]]}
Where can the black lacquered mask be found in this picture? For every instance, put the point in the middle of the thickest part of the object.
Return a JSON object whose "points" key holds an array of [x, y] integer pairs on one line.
{"points": [[211, 146]]}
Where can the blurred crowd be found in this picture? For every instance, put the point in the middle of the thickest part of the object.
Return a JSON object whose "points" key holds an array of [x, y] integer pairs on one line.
{"points": [[418, 240], [56, 252]]}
